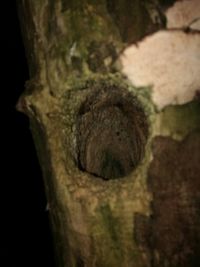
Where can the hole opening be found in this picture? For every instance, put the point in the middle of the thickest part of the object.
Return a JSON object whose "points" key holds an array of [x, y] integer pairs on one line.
{"points": [[112, 131]]}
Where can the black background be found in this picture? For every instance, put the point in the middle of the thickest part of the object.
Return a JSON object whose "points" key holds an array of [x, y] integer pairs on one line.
{"points": [[28, 240]]}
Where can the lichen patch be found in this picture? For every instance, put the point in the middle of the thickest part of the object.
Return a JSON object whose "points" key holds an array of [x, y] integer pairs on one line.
{"points": [[183, 13], [169, 61]]}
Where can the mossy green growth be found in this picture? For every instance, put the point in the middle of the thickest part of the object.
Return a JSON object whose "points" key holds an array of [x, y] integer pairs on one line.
{"points": [[111, 240], [178, 121], [110, 223], [89, 37]]}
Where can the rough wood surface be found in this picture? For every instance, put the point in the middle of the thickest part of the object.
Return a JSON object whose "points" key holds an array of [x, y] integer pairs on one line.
{"points": [[91, 126]]}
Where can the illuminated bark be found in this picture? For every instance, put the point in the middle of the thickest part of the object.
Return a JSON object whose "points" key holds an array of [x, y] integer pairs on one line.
{"points": [[120, 163]]}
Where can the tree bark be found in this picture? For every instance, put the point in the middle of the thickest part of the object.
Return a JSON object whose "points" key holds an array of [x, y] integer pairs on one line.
{"points": [[121, 169]]}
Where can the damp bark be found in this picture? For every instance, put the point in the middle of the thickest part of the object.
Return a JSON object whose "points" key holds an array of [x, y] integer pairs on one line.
{"points": [[94, 132]]}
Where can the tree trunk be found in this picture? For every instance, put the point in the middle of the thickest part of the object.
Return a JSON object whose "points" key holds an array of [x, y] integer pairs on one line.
{"points": [[113, 103]]}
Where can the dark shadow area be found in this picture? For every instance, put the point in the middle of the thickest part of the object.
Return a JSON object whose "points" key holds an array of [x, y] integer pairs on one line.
{"points": [[112, 131], [28, 236], [171, 235]]}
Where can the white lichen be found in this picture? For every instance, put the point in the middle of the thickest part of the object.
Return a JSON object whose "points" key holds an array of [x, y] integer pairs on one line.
{"points": [[183, 13], [169, 61]]}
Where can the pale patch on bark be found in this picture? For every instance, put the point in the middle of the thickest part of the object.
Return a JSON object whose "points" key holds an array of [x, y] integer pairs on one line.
{"points": [[169, 61], [183, 13], [195, 25]]}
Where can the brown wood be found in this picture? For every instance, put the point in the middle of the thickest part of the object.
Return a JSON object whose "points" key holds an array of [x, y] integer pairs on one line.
{"points": [[121, 177]]}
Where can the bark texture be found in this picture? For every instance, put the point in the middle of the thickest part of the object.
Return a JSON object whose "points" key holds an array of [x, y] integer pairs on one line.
{"points": [[122, 178]]}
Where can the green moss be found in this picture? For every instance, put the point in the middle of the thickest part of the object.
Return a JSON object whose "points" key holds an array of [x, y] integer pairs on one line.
{"points": [[110, 223], [111, 240], [87, 23], [179, 120]]}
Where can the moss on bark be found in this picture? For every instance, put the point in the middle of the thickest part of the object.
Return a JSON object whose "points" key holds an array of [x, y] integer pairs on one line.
{"points": [[72, 47]]}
